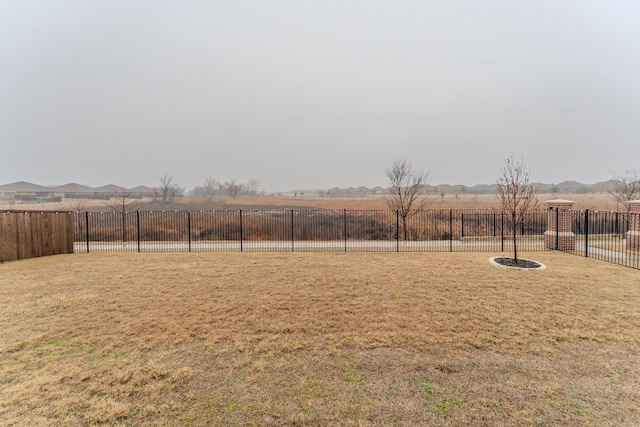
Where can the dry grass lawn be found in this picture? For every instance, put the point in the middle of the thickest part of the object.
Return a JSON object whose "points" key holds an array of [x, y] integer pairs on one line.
{"points": [[434, 339]]}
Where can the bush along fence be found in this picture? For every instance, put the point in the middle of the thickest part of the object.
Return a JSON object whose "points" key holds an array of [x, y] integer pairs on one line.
{"points": [[33, 234], [609, 236]]}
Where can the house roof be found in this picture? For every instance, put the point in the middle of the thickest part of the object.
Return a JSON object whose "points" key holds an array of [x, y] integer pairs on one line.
{"points": [[24, 187], [73, 188], [141, 189], [111, 188]]}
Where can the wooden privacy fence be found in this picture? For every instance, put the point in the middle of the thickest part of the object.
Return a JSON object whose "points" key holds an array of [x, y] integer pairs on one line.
{"points": [[34, 234]]}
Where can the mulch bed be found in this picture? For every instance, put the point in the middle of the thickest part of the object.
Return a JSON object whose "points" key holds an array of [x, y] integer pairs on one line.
{"points": [[522, 263]]}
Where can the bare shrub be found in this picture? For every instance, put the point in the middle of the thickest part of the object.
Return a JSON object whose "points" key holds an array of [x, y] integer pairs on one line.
{"points": [[626, 187]]}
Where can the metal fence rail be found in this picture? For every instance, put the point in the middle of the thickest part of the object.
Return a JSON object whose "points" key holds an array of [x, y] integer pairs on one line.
{"points": [[452, 230], [603, 236]]}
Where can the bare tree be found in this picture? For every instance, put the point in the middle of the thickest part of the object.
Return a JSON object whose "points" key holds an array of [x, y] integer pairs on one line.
{"points": [[516, 196], [234, 189], [253, 187], [122, 204], [79, 205], [210, 187], [406, 193], [626, 187], [167, 192]]}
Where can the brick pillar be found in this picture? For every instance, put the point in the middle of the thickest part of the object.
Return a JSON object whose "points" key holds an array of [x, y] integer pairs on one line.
{"points": [[633, 235], [566, 240]]}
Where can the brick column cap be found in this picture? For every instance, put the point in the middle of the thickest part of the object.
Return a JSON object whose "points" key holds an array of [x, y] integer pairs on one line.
{"points": [[560, 202], [634, 202]]}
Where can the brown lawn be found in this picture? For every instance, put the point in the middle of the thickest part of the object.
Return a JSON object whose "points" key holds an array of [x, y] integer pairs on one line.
{"points": [[434, 339]]}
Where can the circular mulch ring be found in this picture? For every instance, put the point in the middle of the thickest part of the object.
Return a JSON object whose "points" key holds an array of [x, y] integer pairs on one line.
{"points": [[523, 264]]}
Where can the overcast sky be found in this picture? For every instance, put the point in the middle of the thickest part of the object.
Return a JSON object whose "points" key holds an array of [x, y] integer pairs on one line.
{"points": [[316, 94]]}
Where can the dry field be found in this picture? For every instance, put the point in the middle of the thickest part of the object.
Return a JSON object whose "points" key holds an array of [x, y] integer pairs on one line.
{"points": [[600, 201], [350, 339]]}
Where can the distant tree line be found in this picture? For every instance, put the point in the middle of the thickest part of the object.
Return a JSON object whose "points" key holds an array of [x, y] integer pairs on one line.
{"points": [[231, 188]]}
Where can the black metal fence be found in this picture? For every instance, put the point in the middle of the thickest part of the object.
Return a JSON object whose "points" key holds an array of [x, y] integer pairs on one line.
{"points": [[604, 236], [599, 235], [306, 230]]}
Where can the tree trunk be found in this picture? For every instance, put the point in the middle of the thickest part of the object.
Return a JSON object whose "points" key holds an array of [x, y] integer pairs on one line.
{"points": [[404, 227], [515, 242]]}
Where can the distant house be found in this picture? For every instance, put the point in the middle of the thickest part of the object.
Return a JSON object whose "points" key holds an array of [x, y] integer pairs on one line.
{"points": [[77, 191], [141, 191], [26, 192]]}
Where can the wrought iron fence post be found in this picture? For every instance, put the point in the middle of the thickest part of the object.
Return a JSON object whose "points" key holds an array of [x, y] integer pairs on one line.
{"points": [[86, 218], [397, 230], [502, 233], [292, 239], [138, 228], [557, 232], [494, 224], [189, 228], [462, 225], [586, 233], [241, 237], [345, 229], [450, 230], [124, 229]]}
